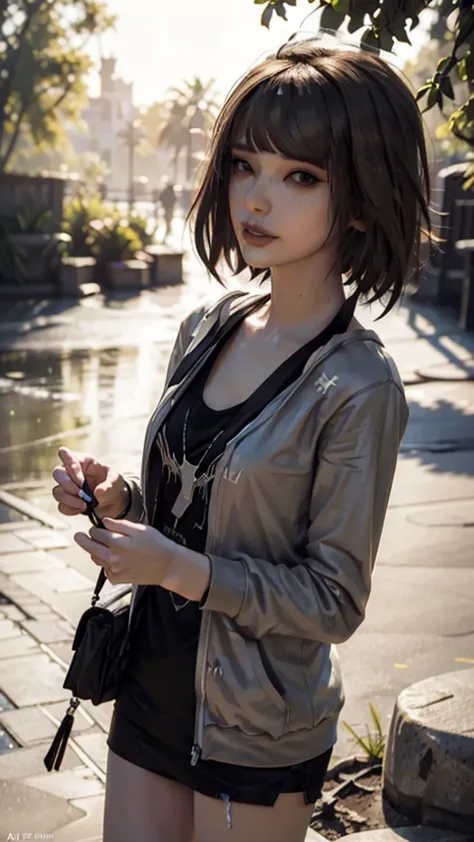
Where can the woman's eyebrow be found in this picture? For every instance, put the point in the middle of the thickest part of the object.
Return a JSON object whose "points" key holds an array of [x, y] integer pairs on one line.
{"points": [[244, 147]]}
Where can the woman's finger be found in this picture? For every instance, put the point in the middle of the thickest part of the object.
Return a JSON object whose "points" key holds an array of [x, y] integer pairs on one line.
{"points": [[61, 476], [72, 465], [108, 539], [99, 562], [75, 504], [66, 510], [98, 550]]}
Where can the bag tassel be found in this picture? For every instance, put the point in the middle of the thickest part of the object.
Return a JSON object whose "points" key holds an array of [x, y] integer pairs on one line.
{"points": [[55, 755]]}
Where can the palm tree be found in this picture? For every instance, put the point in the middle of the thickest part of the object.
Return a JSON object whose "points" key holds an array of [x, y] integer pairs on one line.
{"points": [[132, 137], [192, 109]]}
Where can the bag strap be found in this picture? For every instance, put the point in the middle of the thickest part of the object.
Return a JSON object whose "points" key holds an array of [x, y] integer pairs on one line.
{"points": [[91, 502]]}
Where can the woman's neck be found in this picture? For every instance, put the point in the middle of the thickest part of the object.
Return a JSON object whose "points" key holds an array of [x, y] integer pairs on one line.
{"points": [[300, 308]]}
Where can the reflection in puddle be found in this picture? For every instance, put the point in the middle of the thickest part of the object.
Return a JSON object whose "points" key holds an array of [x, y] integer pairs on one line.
{"points": [[95, 401], [11, 515]]}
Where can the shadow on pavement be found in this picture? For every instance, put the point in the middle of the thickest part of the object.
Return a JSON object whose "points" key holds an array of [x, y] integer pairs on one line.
{"points": [[441, 396]]}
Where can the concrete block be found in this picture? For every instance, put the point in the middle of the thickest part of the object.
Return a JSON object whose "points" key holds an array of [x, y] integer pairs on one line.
{"points": [[167, 266], [27, 811], [29, 562], [32, 680], [12, 544], [89, 827], [73, 783], [13, 647], [29, 761], [95, 746], [30, 725], [9, 629], [49, 631], [313, 836], [12, 612], [429, 760], [129, 274], [44, 539], [408, 834], [74, 272]]}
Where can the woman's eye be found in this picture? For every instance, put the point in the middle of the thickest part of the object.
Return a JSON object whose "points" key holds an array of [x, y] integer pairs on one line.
{"points": [[305, 179], [239, 165]]}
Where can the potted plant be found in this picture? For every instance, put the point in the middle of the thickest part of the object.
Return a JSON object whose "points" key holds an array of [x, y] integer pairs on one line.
{"points": [[78, 267], [36, 250], [79, 212], [115, 246], [141, 225], [12, 258]]}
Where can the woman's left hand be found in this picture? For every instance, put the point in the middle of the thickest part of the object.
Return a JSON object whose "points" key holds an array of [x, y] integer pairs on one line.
{"points": [[130, 553]]}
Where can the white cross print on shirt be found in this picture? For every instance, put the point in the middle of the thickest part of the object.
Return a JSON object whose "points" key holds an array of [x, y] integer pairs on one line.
{"points": [[323, 383]]}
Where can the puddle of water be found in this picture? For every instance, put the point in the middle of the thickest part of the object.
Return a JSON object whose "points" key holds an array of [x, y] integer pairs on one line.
{"points": [[85, 401], [7, 742], [10, 515], [95, 401], [5, 703]]}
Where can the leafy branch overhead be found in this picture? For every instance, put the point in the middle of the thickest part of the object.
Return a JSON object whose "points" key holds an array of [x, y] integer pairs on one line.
{"points": [[382, 23], [43, 67]]}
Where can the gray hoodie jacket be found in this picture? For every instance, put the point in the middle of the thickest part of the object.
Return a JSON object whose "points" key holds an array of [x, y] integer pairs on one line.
{"points": [[295, 518]]}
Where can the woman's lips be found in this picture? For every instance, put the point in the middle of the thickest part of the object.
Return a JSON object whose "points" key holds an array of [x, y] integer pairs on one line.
{"points": [[259, 240]]}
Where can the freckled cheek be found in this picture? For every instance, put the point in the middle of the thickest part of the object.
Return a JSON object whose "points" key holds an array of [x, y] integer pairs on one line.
{"points": [[236, 199], [308, 221]]}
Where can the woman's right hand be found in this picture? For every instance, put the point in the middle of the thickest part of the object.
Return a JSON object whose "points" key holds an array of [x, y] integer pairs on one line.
{"points": [[109, 487]]}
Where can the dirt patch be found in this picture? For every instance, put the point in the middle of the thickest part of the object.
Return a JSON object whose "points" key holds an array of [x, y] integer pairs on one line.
{"points": [[352, 801]]}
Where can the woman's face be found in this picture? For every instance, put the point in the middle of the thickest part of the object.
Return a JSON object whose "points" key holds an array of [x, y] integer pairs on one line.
{"points": [[288, 199]]}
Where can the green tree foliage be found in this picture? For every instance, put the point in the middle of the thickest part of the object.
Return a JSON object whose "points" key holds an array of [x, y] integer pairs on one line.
{"points": [[43, 68], [381, 23]]}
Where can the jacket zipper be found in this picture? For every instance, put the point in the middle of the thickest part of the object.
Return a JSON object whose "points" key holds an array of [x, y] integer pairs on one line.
{"points": [[196, 751], [201, 663]]}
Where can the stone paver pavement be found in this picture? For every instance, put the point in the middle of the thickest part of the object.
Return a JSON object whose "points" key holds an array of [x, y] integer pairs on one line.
{"points": [[419, 618]]}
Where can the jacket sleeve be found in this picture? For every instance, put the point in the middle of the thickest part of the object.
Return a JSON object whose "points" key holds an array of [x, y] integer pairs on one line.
{"points": [[136, 512], [323, 598], [189, 324]]}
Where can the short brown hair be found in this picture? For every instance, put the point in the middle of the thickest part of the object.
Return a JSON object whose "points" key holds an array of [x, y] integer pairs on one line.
{"points": [[349, 112]]}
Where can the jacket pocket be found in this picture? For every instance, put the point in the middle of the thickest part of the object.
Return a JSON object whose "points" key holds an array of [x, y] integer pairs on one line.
{"points": [[240, 692], [266, 675]]}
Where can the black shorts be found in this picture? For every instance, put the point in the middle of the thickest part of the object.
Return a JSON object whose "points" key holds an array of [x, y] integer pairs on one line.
{"points": [[244, 784]]}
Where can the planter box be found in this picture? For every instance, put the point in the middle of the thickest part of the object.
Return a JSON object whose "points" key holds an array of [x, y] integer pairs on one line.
{"points": [[74, 273], [167, 265], [37, 193], [27, 292], [40, 254], [129, 274]]}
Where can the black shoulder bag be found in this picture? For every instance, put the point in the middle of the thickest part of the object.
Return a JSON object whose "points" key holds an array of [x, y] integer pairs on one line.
{"points": [[101, 649]]}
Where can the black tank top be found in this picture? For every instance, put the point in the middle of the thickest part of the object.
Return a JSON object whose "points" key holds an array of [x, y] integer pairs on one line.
{"points": [[168, 625]]}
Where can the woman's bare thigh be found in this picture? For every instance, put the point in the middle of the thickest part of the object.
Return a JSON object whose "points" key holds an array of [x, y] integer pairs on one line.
{"points": [[286, 821], [144, 806]]}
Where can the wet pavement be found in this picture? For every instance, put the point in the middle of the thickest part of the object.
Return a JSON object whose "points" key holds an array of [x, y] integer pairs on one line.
{"points": [[87, 374]]}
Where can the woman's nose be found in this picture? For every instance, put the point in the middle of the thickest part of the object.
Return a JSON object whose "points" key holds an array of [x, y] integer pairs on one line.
{"points": [[257, 200]]}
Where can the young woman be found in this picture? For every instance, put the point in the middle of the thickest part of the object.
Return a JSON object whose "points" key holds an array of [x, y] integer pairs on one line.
{"points": [[267, 465]]}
